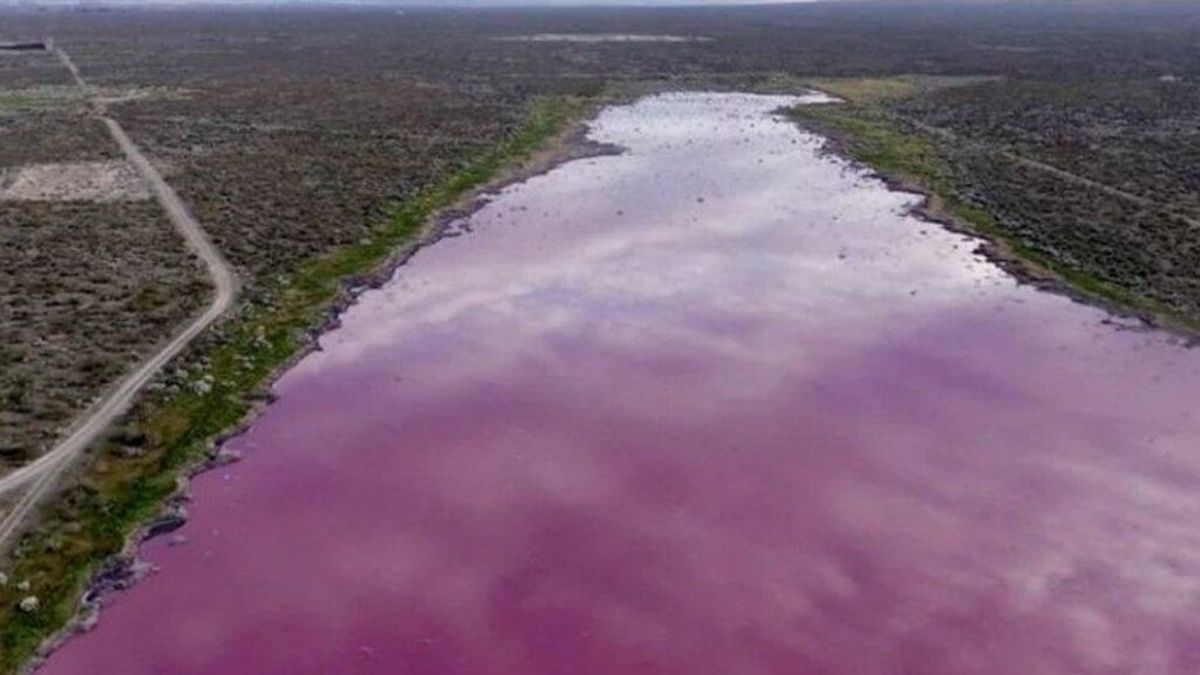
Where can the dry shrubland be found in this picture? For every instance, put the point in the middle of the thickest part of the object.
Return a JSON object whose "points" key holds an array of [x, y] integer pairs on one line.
{"points": [[86, 290]]}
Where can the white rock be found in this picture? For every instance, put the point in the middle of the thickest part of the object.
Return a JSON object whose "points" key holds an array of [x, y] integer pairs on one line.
{"points": [[30, 604]]}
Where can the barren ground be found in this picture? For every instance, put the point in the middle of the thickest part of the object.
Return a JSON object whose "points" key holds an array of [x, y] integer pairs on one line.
{"points": [[104, 181]]}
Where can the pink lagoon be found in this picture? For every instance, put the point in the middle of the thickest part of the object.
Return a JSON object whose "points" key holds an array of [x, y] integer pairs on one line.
{"points": [[716, 405]]}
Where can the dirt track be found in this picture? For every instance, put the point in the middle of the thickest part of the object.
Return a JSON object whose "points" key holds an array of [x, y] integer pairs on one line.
{"points": [[43, 471]]}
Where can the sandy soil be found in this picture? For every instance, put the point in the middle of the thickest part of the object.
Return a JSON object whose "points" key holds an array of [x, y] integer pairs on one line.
{"points": [[106, 181]]}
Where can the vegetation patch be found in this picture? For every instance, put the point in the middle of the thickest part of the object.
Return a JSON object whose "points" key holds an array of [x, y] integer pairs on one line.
{"points": [[87, 290], [40, 98], [867, 90]]}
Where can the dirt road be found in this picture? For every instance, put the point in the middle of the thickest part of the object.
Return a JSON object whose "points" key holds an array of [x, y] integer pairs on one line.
{"points": [[41, 473]]}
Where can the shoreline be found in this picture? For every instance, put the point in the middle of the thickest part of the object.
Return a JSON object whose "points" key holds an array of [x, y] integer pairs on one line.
{"points": [[997, 247]]}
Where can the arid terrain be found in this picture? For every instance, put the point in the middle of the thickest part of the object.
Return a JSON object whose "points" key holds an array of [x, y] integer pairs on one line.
{"points": [[307, 141]]}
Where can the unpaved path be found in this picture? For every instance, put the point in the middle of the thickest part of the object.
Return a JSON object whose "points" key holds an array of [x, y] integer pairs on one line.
{"points": [[43, 472]]}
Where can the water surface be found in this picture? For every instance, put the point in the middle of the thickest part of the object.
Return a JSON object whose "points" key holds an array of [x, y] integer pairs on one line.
{"points": [[716, 405]]}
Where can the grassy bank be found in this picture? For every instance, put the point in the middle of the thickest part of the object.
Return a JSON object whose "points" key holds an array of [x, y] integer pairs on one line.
{"points": [[127, 481], [864, 129]]}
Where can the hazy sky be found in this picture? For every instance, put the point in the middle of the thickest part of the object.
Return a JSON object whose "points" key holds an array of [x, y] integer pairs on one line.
{"points": [[485, 3]]}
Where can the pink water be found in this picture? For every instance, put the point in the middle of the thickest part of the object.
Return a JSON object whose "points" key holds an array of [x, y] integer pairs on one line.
{"points": [[714, 406]]}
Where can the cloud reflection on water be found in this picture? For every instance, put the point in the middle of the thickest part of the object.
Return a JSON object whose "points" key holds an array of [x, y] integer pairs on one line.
{"points": [[713, 406]]}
